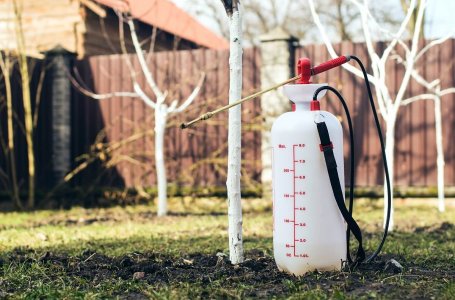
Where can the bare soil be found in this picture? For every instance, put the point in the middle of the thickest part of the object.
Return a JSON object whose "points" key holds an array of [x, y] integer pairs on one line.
{"points": [[258, 272]]}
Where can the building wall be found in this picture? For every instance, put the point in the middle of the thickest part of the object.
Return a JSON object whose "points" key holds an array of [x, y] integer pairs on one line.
{"points": [[102, 36], [46, 23]]}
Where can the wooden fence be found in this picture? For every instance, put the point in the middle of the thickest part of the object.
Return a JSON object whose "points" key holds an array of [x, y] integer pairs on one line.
{"points": [[415, 147], [197, 157], [194, 157]]}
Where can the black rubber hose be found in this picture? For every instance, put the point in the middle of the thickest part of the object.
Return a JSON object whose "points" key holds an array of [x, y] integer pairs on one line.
{"points": [[351, 145], [384, 158]]}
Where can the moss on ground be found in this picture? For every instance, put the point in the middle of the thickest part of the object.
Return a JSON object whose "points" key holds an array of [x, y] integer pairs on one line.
{"points": [[94, 253]]}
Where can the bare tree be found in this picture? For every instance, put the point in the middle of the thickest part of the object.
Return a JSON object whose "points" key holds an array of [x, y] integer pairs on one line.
{"points": [[435, 93], [389, 103], [234, 12], [160, 104], [16, 59]]}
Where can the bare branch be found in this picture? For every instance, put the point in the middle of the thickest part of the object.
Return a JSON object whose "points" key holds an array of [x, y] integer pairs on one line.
{"points": [[434, 43], [364, 13], [96, 96], [350, 68], [394, 36], [4, 177], [378, 68], [401, 30], [191, 97], [410, 58], [447, 91], [148, 75], [397, 39], [38, 94], [143, 95], [329, 45], [434, 96], [417, 98], [123, 47]]}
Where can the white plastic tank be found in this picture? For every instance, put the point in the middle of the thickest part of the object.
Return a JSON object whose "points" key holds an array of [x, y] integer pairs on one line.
{"points": [[309, 230]]}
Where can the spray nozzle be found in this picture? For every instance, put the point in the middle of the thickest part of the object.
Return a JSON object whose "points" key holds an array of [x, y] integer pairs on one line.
{"points": [[305, 71]]}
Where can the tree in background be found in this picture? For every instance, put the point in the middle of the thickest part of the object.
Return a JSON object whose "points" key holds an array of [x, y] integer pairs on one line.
{"points": [[9, 177], [7, 62], [390, 103], [406, 5], [27, 102], [262, 16], [159, 102]]}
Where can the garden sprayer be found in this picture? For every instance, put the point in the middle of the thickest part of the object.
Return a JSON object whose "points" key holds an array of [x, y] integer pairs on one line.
{"points": [[309, 212]]}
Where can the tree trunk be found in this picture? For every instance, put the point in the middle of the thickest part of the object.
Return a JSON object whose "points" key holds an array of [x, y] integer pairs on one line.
{"points": [[440, 152], [5, 68], [160, 126], [27, 103], [389, 151], [234, 139]]}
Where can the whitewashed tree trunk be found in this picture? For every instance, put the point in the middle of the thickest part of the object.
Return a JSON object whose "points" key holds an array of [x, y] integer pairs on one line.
{"points": [[389, 152], [160, 126], [234, 139], [440, 152]]}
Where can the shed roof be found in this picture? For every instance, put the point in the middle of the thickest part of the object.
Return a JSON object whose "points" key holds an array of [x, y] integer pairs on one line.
{"points": [[168, 17]]}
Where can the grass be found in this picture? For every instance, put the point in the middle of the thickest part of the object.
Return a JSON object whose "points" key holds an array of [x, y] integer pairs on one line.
{"points": [[84, 254]]}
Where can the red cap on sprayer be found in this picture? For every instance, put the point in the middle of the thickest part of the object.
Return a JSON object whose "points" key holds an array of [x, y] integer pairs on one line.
{"points": [[304, 70]]}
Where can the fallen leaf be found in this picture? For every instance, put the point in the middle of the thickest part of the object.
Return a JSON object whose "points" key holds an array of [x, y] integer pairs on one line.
{"points": [[138, 275]]}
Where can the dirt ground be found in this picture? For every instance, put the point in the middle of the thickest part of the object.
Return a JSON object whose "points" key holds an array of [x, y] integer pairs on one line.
{"points": [[259, 272]]}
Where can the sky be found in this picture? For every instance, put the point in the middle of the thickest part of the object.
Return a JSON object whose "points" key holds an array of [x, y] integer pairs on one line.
{"points": [[440, 19], [440, 16]]}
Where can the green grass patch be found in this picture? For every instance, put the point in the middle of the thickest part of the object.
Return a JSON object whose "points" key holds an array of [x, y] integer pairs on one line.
{"points": [[94, 253]]}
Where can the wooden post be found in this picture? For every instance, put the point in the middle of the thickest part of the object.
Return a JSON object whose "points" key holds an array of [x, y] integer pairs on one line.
{"points": [[59, 61], [278, 64]]}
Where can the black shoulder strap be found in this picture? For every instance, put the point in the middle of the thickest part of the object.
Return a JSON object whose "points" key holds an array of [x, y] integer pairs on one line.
{"points": [[327, 148]]}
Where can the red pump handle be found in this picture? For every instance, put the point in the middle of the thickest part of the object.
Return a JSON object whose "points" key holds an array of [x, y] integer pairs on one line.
{"points": [[333, 63], [305, 70]]}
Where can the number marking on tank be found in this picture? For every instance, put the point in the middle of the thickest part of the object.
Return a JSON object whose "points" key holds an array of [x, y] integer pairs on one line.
{"points": [[297, 196], [296, 193]]}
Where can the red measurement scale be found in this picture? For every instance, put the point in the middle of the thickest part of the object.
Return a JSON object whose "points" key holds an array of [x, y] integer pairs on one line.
{"points": [[296, 194]]}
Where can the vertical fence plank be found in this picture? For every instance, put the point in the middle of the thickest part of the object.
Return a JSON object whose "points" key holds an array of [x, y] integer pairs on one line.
{"points": [[447, 69]]}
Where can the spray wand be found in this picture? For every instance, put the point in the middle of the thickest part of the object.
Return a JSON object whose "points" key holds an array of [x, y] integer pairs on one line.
{"points": [[304, 71], [210, 114]]}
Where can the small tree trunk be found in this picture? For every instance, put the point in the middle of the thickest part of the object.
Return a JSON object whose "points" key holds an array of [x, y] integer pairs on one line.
{"points": [[5, 67], [389, 151], [234, 139], [160, 125], [27, 103], [440, 153]]}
